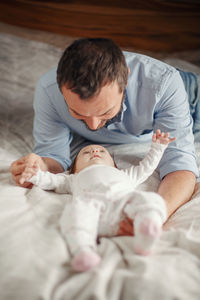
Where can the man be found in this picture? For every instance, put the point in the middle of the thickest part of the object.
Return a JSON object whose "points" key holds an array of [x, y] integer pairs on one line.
{"points": [[109, 97]]}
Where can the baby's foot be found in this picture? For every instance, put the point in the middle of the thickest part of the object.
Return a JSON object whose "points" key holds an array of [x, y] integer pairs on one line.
{"points": [[85, 260], [148, 228]]}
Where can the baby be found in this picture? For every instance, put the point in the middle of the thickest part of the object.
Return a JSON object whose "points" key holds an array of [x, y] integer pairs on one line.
{"points": [[102, 197]]}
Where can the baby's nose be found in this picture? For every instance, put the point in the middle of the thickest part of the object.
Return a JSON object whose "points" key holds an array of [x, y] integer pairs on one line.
{"points": [[95, 150]]}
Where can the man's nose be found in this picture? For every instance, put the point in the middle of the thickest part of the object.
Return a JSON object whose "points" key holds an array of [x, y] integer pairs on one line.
{"points": [[92, 122]]}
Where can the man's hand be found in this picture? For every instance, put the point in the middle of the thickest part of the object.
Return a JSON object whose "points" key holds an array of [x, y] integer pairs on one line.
{"points": [[29, 161], [126, 227], [28, 173]]}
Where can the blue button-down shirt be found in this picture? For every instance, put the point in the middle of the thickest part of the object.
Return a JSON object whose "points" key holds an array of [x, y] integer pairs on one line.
{"points": [[155, 97]]}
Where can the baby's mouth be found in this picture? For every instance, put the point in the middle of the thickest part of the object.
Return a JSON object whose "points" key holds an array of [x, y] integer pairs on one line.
{"points": [[95, 156]]}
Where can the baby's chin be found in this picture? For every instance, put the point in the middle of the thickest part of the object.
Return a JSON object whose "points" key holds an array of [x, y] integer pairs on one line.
{"points": [[95, 162], [99, 161]]}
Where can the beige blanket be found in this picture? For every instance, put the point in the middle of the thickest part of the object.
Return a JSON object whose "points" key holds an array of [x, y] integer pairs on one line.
{"points": [[34, 260]]}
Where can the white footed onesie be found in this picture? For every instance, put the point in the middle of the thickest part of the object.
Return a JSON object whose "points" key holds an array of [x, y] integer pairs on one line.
{"points": [[102, 197]]}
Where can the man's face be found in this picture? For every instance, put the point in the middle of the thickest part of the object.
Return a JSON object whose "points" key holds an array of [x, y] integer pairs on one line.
{"points": [[96, 111], [93, 155]]}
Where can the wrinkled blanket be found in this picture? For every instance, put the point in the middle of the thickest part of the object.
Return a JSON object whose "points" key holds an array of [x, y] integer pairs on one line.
{"points": [[34, 259]]}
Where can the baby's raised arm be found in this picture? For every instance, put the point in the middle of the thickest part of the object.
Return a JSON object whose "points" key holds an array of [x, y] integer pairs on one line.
{"points": [[140, 173]]}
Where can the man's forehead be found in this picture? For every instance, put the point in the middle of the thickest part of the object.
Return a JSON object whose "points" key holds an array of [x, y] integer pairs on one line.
{"points": [[104, 101], [104, 111]]}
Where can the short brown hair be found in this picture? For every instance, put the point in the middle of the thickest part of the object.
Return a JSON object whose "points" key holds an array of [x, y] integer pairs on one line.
{"points": [[90, 63]]}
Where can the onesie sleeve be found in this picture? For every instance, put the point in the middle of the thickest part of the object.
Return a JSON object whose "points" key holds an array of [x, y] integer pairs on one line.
{"points": [[146, 166], [60, 183]]}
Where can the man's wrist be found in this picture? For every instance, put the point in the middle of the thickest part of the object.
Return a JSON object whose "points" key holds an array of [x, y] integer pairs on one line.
{"points": [[51, 165]]}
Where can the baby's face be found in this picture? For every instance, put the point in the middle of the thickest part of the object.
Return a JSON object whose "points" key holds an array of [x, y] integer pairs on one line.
{"points": [[93, 154]]}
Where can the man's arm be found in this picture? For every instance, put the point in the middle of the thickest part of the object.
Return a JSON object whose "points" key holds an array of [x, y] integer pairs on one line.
{"points": [[178, 166], [177, 188], [52, 136], [52, 165]]}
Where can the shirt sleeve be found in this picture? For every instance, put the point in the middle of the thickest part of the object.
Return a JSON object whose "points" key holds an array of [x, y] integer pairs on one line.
{"points": [[52, 136], [172, 115], [60, 183], [146, 167]]}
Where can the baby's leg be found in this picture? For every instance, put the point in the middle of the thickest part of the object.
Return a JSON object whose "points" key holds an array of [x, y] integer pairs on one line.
{"points": [[148, 228], [79, 225], [148, 211]]}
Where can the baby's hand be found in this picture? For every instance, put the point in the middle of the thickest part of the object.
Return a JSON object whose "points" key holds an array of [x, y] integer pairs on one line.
{"points": [[162, 138], [28, 173]]}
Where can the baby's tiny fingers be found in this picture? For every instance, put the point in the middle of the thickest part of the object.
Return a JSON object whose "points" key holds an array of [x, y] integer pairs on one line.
{"points": [[154, 137], [26, 176], [158, 132], [22, 180], [29, 175], [166, 135], [172, 139], [31, 170]]}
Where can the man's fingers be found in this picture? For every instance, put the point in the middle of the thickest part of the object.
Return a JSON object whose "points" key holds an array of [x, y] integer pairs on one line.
{"points": [[17, 169], [28, 185], [32, 160], [20, 160], [126, 227], [24, 184]]}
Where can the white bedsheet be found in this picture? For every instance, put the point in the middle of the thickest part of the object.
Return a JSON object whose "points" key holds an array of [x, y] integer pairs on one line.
{"points": [[34, 260]]}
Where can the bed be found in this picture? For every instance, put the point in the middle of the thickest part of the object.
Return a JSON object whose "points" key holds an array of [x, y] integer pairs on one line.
{"points": [[34, 260]]}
